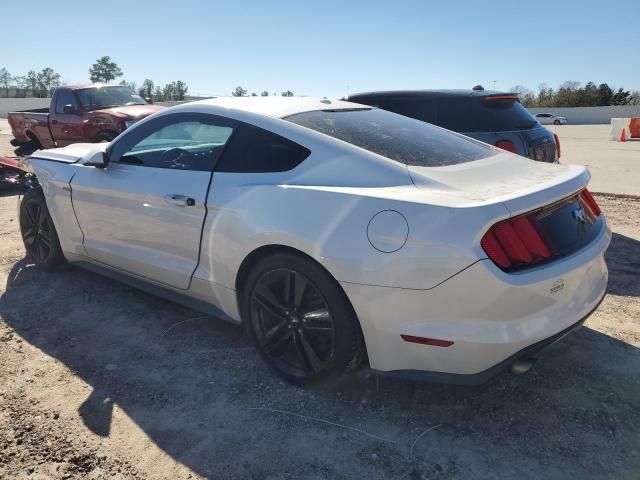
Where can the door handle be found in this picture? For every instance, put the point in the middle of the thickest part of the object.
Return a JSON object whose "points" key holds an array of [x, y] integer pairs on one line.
{"points": [[179, 200]]}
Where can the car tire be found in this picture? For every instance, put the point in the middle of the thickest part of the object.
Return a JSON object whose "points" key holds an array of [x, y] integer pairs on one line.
{"points": [[38, 232], [106, 137], [300, 320], [556, 122]]}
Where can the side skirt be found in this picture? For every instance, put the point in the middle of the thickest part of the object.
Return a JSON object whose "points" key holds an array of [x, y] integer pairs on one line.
{"points": [[153, 289]]}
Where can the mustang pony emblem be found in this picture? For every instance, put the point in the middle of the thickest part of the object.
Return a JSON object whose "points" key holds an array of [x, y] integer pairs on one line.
{"points": [[581, 217]]}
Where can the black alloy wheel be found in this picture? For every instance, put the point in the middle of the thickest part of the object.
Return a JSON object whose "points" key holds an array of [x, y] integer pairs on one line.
{"points": [[292, 323], [36, 231]]}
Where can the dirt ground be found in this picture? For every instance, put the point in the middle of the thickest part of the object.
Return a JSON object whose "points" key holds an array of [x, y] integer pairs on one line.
{"points": [[613, 165], [98, 380]]}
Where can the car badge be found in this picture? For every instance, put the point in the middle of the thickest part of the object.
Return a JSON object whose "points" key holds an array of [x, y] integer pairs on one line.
{"points": [[581, 220]]}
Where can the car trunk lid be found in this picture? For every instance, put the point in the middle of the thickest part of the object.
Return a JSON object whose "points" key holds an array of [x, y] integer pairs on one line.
{"points": [[519, 183]]}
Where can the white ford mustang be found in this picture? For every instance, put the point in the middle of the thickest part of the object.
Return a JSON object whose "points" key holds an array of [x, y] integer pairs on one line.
{"points": [[334, 231]]}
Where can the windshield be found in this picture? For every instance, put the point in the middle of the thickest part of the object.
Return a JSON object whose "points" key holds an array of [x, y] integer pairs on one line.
{"points": [[394, 136], [105, 97]]}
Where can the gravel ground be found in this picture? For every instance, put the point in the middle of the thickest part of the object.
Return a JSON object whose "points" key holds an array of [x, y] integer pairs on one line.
{"points": [[101, 381]]}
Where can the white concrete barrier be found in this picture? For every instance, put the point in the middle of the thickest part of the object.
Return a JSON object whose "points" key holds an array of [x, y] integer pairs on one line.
{"points": [[617, 125]]}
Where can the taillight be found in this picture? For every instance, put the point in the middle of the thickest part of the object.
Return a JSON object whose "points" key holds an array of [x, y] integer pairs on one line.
{"points": [[521, 241], [591, 202], [506, 145], [555, 137], [516, 242]]}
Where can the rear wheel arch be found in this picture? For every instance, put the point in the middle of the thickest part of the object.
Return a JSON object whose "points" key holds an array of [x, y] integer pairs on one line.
{"points": [[33, 138], [254, 263], [252, 259]]}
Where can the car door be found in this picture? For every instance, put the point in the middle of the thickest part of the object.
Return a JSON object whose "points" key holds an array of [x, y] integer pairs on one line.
{"points": [[66, 127], [144, 213]]}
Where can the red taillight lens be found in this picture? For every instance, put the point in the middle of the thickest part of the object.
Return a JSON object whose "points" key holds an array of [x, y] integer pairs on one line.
{"points": [[522, 241], [591, 202], [511, 243], [506, 145], [516, 242], [530, 237], [555, 137], [496, 253]]}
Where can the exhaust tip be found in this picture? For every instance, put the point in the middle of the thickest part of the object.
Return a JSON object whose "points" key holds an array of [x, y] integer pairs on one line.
{"points": [[522, 366]]}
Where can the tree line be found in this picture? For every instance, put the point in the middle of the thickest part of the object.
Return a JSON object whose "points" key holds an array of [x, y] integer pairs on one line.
{"points": [[42, 84], [105, 70], [242, 92], [574, 94], [35, 84]]}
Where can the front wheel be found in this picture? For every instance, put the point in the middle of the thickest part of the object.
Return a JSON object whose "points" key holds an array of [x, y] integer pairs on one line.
{"points": [[556, 122], [300, 319], [38, 232]]}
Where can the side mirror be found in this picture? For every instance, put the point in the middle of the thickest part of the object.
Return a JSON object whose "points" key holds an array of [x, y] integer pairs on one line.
{"points": [[68, 109], [98, 160]]}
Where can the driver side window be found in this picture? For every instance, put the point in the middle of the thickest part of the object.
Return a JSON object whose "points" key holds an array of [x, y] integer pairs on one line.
{"points": [[189, 144]]}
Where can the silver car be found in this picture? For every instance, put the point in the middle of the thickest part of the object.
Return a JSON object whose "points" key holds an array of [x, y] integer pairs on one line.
{"points": [[550, 119]]}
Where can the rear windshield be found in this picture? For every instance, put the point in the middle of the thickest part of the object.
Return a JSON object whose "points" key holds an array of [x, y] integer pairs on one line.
{"points": [[394, 136], [491, 115], [463, 114]]}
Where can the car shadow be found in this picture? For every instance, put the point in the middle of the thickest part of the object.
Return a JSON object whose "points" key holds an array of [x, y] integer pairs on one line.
{"points": [[198, 389], [623, 260]]}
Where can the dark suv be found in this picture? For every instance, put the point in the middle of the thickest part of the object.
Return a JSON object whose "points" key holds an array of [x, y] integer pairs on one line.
{"points": [[492, 117]]}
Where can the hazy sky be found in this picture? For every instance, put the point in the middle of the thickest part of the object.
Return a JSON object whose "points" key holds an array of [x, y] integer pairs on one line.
{"points": [[324, 48]]}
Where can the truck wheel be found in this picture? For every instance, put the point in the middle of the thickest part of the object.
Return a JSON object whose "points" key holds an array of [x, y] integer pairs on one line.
{"points": [[300, 320], [28, 147], [38, 232], [106, 137]]}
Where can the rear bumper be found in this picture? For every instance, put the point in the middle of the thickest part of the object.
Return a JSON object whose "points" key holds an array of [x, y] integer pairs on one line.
{"points": [[482, 377], [492, 317]]}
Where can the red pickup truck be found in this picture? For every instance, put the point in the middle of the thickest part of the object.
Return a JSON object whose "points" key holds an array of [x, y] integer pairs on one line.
{"points": [[80, 113]]}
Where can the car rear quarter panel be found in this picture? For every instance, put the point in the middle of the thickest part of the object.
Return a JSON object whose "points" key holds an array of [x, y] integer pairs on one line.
{"points": [[330, 225]]}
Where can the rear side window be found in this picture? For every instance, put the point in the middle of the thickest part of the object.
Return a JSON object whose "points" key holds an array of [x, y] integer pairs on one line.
{"points": [[460, 113], [423, 108], [455, 113], [399, 138], [501, 115], [419, 107], [254, 150]]}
